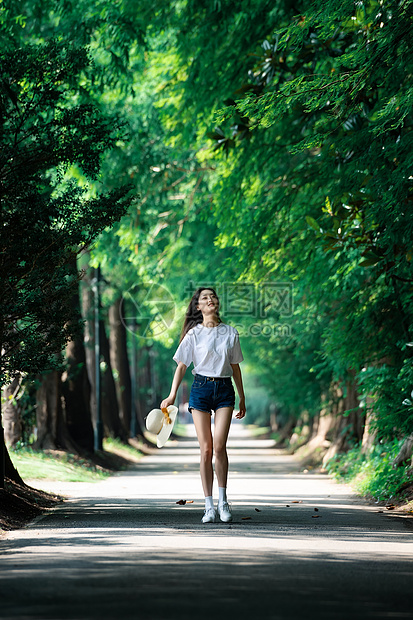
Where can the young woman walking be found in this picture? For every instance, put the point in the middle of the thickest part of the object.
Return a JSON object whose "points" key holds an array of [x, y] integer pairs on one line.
{"points": [[213, 348]]}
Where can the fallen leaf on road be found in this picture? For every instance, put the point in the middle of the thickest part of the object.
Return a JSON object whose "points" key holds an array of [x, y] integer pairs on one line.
{"points": [[316, 516], [297, 501], [256, 510], [287, 505], [315, 509], [182, 502], [245, 518]]}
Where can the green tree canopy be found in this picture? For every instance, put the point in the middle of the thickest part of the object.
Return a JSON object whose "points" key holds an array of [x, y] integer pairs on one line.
{"points": [[46, 217], [271, 143]]}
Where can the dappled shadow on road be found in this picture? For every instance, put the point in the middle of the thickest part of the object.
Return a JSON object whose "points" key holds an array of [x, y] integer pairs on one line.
{"points": [[296, 548], [257, 460], [124, 518], [272, 498], [280, 584]]}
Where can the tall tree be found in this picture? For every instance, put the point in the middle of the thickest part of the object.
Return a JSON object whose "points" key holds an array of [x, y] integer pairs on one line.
{"points": [[120, 362], [339, 101], [46, 219], [76, 387]]}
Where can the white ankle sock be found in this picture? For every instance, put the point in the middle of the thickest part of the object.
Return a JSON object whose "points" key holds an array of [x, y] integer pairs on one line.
{"points": [[209, 502], [222, 495]]}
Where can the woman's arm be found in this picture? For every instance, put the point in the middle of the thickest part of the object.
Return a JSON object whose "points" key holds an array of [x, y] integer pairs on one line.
{"points": [[176, 382], [240, 389]]}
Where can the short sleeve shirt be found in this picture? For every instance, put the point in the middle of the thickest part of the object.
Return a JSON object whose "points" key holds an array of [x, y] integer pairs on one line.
{"points": [[212, 350]]}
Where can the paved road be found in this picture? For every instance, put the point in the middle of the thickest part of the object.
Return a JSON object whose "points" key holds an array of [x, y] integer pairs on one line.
{"points": [[123, 548]]}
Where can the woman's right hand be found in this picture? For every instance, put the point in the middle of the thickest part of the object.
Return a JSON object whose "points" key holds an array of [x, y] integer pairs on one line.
{"points": [[167, 401]]}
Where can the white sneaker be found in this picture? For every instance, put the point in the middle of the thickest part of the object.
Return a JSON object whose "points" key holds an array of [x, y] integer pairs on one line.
{"points": [[209, 516], [224, 512]]}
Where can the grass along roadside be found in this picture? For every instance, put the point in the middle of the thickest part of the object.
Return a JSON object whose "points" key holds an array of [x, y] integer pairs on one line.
{"points": [[64, 467], [258, 431], [20, 504], [180, 430], [55, 465], [369, 474], [132, 451], [373, 476]]}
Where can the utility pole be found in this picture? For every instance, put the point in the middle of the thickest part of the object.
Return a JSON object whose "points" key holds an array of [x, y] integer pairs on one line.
{"points": [[99, 426], [133, 382], [2, 455], [152, 375]]}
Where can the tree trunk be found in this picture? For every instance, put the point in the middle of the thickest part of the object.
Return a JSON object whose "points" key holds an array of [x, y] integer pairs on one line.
{"points": [[273, 411], [76, 392], [52, 431], [356, 417], [336, 432], [405, 453], [151, 378], [76, 389], [110, 410], [142, 387], [285, 432], [369, 434], [49, 414], [11, 413], [136, 408], [340, 420], [89, 337], [7, 469], [120, 363], [10, 470]]}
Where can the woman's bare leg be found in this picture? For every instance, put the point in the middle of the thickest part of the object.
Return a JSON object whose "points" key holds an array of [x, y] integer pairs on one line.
{"points": [[202, 421], [222, 423]]}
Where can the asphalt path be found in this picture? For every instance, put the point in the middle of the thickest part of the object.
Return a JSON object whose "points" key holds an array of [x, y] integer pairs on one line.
{"points": [[300, 547]]}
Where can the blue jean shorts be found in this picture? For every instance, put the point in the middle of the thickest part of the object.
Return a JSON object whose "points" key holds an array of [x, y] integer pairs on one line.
{"points": [[211, 393]]}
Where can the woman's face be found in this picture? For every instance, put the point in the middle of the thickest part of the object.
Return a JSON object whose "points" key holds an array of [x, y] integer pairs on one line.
{"points": [[208, 302]]}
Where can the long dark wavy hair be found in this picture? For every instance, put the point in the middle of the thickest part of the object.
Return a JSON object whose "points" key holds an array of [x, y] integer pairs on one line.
{"points": [[194, 316]]}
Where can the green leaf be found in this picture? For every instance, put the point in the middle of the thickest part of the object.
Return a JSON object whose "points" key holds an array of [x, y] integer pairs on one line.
{"points": [[313, 223], [370, 262]]}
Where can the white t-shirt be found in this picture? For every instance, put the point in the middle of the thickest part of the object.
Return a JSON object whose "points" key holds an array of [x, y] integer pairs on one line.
{"points": [[211, 349]]}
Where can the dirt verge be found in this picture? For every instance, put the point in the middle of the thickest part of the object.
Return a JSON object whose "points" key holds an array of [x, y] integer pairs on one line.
{"points": [[21, 504]]}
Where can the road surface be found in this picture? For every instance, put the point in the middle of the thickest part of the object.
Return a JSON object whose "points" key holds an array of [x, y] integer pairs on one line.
{"points": [[300, 547]]}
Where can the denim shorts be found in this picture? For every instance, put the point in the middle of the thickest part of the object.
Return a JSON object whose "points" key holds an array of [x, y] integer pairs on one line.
{"points": [[209, 393]]}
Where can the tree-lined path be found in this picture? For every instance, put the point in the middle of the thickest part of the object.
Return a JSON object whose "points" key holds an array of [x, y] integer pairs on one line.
{"points": [[300, 546]]}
